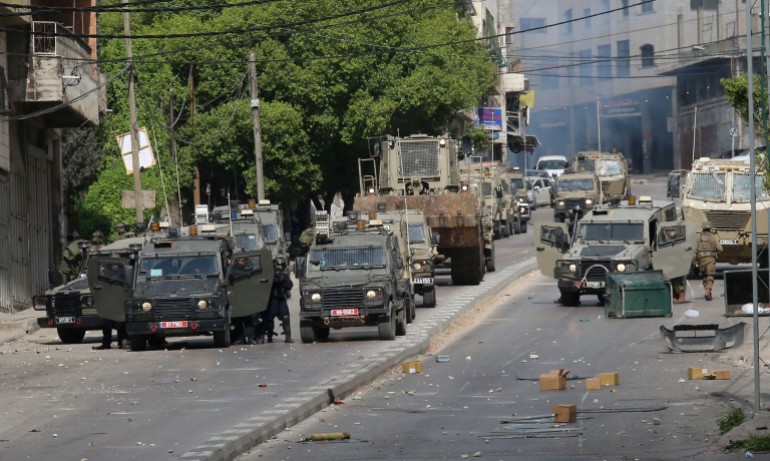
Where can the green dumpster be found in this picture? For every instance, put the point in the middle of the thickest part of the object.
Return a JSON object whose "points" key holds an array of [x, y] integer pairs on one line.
{"points": [[739, 291], [637, 294]]}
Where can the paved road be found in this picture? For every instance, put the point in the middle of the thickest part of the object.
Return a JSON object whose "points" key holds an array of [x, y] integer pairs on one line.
{"points": [[197, 402]]}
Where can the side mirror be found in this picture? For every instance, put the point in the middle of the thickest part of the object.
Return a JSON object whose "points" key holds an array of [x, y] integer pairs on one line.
{"points": [[299, 267]]}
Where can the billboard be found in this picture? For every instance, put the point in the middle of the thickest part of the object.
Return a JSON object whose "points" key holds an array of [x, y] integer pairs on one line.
{"points": [[490, 118]]}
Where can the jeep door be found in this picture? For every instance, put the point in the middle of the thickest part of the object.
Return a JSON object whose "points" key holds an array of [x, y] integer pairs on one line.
{"points": [[111, 282], [674, 248], [249, 286], [551, 241]]}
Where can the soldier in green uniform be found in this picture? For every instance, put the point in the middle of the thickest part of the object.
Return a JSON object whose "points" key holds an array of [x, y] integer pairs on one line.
{"points": [[307, 238], [72, 258], [707, 251]]}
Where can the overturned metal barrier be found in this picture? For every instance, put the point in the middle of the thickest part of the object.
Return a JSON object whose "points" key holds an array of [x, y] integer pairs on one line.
{"points": [[702, 338]]}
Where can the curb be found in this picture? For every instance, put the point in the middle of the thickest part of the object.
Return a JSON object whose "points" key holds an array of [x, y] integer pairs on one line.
{"points": [[17, 329], [292, 410]]}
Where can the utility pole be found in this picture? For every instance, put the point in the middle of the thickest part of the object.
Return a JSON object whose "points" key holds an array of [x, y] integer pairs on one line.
{"points": [[172, 141], [257, 129], [138, 202]]}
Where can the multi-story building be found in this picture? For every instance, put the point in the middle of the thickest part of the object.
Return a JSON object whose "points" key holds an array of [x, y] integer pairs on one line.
{"points": [[48, 81], [606, 74]]}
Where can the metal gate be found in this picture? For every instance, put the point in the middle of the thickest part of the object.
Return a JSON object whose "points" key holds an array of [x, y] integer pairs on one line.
{"points": [[5, 242]]}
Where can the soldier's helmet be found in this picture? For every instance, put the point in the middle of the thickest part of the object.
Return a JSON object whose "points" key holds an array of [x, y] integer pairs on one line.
{"points": [[97, 238], [279, 262], [120, 228], [706, 225]]}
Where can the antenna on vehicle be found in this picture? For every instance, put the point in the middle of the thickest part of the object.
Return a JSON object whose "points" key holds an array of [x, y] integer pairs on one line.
{"points": [[406, 220], [230, 215]]}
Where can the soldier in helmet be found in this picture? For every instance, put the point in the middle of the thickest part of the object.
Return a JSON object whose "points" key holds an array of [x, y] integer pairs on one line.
{"points": [[120, 231], [72, 257], [707, 251], [277, 306], [97, 240]]}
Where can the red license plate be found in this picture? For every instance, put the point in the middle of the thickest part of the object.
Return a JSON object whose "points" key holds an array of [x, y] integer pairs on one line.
{"points": [[344, 312], [179, 324]]}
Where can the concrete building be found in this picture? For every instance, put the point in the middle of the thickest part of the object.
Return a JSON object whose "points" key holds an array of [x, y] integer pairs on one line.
{"points": [[605, 74], [48, 80]]}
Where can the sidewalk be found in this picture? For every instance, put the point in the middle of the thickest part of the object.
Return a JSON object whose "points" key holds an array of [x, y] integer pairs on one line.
{"points": [[16, 326]]}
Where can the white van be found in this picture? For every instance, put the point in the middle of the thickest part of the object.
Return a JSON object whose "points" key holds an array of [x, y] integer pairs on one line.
{"points": [[554, 165]]}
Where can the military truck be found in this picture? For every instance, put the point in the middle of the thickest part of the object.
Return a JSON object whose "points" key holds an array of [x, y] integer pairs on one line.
{"points": [[612, 170], [353, 277], [421, 172], [575, 195], [719, 191], [418, 251], [621, 236], [519, 191], [180, 285]]}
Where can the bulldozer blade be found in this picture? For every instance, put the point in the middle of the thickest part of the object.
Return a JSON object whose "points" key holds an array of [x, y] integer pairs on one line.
{"points": [[702, 338]]}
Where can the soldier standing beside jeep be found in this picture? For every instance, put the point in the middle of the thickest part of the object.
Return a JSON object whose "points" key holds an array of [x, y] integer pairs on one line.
{"points": [[707, 251]]}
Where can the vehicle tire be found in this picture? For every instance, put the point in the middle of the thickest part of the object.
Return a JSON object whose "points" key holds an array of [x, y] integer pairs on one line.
{"points": [[601, 298], [401, 322], [468, 266], [71, 335], [321, 332], [137, 342], [489, 261], [386, 326], [307, 332], [429, 298], [517, 227], [524, 227], [570, 298], [222, 338], [411, 311]]}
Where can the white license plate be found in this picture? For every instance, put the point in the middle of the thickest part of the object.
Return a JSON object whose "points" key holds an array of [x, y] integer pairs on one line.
{"points": [[177, 324], [424, 280], [728, 242], [594, 284], [62, 320], [344, 312]]}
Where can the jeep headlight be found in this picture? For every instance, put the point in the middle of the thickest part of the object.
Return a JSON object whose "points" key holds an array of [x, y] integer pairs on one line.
{"points": [[416, 266], [589, 201], [312, 297], [373, 295], [572, 267], [621, 267], [560, 203], [146, 306], [202, 304], [625, 266]]}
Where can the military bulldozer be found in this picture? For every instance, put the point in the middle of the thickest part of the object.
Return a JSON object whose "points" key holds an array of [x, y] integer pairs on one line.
{"points": [[421, 172]]}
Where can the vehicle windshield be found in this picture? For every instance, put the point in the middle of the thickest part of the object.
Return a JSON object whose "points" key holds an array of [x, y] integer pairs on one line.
{"points": [[551, 165], [612, 231], [742, 187], [348, 257], [609, 168], [575, 184], [486, 188], [271, 233], [176, 266], [416, 233], [517, 183], [246, 242], [707, 186]]}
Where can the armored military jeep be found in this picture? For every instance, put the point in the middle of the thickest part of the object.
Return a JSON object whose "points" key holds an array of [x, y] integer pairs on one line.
{"points": [[180, 285], [621, 236], [575, 195], [353, 277], [519, 191]]}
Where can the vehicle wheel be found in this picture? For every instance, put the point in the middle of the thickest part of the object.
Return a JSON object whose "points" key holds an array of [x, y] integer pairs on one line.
{"points": [[138, 342], [517, 227], [429, 298], [386, 326], [321, 332], [468, 266], [222, 338], [524, 227], [570, 298], [507, 229], [489, 261], [601, 298], [71, 335], [411, 312], [307, 332], [401, 322]]}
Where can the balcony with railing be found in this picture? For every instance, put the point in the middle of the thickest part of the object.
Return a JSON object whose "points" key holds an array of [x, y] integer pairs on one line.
{"points": [[10, 13], [60, 83]]}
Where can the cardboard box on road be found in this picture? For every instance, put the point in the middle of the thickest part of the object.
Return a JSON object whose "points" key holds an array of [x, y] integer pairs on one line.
{"points": [[564, 413], [554, 380], [413, 366], [593, 384], [609, 379], [696, 373]]}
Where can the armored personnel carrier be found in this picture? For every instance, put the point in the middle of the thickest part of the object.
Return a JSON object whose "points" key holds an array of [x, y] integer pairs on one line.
{"points": [[719, 191], [612, 170], [620, 236], [421, 172]]}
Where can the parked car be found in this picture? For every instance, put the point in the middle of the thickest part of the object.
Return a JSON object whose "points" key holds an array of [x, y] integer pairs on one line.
{"points": [[539, 191]]}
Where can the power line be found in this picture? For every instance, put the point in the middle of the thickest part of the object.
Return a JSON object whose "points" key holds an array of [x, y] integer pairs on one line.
{"points": [[127, 8]]}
